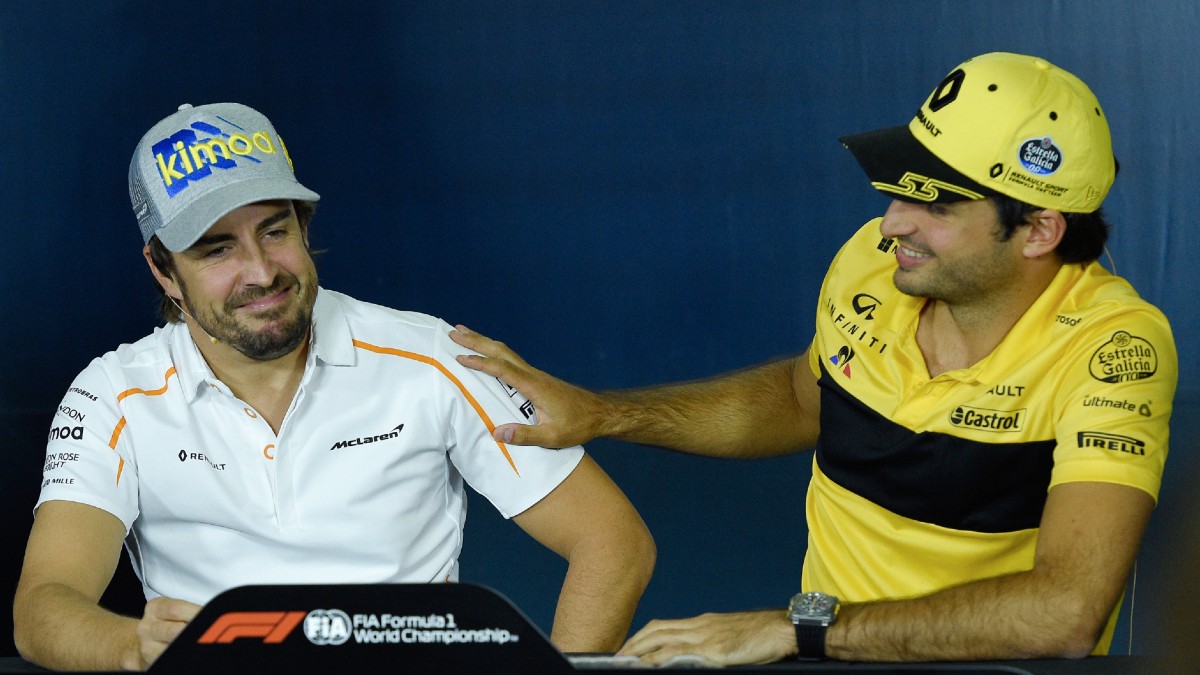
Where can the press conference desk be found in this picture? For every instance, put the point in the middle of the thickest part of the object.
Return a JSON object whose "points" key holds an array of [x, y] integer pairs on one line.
{"points": [[449, 628], [1110, 665]]}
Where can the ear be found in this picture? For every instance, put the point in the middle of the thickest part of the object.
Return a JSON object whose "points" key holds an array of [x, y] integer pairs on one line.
{"points": [[163, 280], [1046, 230]]}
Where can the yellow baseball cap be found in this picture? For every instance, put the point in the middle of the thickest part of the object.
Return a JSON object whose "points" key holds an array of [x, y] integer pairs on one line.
{"points": [[998, 124]]}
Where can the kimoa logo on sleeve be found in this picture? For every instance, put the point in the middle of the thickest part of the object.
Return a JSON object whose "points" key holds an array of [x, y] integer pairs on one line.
{"points": [[184, 158]]}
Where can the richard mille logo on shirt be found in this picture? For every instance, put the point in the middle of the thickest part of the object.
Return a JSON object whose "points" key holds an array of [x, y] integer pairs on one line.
{"points": [[185, 456], [363, 440]]}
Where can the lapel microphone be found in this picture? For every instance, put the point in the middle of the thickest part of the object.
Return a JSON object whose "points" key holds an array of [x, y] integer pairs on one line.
{"points": [[181, 309]]}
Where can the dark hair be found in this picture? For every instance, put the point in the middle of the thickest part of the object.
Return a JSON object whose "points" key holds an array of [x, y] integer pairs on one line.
{"points": [[1083, 240], [165, 262]]}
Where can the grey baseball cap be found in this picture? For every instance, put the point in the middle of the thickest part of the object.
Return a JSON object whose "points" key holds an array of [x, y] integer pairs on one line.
{"points": [[202, 162]]}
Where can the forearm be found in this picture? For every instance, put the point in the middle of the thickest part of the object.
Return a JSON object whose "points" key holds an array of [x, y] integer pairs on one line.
{"points": [[750, 413], [601, 590], [58, 628], [1019, 616]]}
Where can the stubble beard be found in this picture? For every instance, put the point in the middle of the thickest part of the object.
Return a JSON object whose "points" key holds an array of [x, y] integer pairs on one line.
{"points": [[267, 343]]}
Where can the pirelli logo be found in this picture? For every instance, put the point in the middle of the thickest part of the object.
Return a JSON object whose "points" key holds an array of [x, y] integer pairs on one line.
{"points": [[987, 420], [270, 627], [1114, 442]]}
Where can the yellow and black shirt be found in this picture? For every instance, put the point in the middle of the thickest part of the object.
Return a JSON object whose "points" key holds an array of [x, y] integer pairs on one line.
{"points": [[922, 483]]}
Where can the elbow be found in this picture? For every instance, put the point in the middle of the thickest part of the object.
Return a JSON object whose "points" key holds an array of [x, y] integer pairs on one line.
{"points": [[1075, 647], [23, 635], [640, 557], [1077, 633], [1081, 641], [646, 557]]}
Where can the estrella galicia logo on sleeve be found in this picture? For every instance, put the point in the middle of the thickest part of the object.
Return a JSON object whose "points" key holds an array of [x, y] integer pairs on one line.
{"points": [[1040, 156], [1114, 442], [1124, 358], [189, 155]]}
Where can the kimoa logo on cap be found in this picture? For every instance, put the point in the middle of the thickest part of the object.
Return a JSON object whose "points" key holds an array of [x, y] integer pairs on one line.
{"points": [[184, 158]]}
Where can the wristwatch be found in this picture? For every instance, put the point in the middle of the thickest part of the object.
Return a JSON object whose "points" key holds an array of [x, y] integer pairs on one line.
{"points": [[812, 614]]}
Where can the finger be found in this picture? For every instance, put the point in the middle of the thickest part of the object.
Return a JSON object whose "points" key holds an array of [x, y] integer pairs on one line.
{"points": [[525, 434], [656, 635], [159, 632], [484, 345], [151, 651], [172, 609], [493, 367]]}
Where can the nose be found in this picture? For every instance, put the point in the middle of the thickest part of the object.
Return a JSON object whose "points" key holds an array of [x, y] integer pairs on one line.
{"points": [[257, 269], [897, 220]]}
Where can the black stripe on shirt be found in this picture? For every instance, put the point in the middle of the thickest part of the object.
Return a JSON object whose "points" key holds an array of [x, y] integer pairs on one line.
{"points": [[931, 477]]}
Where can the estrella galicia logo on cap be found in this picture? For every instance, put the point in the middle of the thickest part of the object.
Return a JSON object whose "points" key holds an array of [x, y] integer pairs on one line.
{"points": [[185, 157], [1040, 156]]}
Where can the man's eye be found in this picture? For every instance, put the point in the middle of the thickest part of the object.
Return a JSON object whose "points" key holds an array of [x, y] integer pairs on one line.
{"points": [[937, 209], [216, 252]]}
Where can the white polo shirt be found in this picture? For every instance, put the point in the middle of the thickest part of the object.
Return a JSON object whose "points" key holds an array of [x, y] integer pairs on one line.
{"points": [[363, 484]]}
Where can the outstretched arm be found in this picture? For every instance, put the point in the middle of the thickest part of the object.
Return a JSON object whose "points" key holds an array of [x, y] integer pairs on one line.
{"points": [[1089, 537], [768, 410], [72, 553], [609, 552]]}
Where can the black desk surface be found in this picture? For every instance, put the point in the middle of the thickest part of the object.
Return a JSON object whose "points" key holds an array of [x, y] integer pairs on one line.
{"points": [[1108, 665], [449, 628]]}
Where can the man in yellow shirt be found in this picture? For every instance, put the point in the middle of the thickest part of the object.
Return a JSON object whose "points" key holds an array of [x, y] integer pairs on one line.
{"points": [[988, 405]]}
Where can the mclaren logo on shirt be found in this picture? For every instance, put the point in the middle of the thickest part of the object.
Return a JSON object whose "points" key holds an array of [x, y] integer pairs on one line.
{"points": [[987, 420], [368, 439]]}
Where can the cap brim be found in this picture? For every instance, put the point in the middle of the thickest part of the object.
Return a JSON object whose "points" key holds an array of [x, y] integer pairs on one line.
{"points": [[901, 167], [208, 209]]}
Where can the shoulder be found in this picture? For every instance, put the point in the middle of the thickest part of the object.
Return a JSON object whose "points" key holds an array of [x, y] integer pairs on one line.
{"points": [[137, 364], [375, 327], [1107, 315]]}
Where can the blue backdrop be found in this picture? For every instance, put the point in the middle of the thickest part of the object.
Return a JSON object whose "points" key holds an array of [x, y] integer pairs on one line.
{"points": [[626, 192]]}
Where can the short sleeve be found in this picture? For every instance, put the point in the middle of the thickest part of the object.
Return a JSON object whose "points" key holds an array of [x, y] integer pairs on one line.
{"points": [[1115, 403], [86, 458], [512, 477]]}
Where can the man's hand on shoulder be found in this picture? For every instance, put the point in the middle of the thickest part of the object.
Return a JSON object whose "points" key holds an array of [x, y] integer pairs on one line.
{"points": [[566, 415]]}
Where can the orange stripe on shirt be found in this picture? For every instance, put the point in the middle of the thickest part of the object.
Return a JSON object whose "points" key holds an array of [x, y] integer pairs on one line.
{"points": [[116, 434], [487, 421]]}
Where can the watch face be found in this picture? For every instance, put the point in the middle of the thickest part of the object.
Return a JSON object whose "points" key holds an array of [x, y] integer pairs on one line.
{"points": [[813, 605]]}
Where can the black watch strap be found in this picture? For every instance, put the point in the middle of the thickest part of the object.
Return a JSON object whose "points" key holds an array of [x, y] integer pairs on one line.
{"points": [[811, 641]]}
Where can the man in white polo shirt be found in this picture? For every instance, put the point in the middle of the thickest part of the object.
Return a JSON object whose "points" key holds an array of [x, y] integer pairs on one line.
{"points": [[278, 432]]}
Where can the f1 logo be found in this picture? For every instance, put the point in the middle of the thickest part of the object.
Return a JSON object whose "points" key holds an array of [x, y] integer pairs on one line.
{"points": [[272, 627]]}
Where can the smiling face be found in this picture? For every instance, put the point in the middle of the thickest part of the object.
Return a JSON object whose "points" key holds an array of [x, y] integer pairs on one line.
{"points": [[249, 281], [952, 252]]}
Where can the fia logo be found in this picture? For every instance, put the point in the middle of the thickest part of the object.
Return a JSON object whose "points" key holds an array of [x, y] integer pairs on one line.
{"points": [[327, 627]]}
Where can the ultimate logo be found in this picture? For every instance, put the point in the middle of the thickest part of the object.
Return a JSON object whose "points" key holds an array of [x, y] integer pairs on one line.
{"points": [[1124, 358], [184, 158]]}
